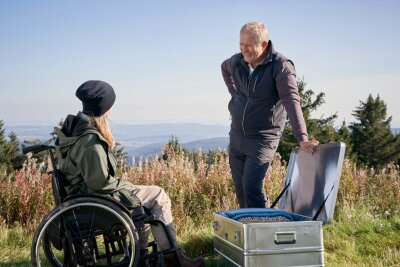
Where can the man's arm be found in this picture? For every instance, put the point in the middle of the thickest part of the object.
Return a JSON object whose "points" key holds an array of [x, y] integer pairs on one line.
{"points": [[226, 68], [286, 84]]}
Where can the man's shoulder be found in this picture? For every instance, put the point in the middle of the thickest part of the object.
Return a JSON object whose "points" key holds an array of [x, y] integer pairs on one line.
{"points": [[280, 58], [235, 58], [277, 56], [282, 62]]}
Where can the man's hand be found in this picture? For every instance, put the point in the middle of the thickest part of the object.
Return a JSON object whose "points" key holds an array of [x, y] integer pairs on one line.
{"points": [[309, 146]]}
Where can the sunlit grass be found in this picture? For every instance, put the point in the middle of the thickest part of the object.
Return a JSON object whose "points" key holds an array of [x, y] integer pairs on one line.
{"points": [[354, 238], [358, 238], [15, 245], [365, 230]]}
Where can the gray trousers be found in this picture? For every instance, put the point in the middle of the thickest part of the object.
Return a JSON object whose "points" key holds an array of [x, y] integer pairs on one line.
{"points": [[249, 160], [159, 204]]}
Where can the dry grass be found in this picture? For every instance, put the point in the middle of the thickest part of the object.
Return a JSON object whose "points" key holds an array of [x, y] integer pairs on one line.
{"points": [[26, 195], [365, 228], [197, 187]]}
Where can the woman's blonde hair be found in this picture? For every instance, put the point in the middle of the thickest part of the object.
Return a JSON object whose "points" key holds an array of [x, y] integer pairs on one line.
{"points": [[258, 29], [102, 125]]}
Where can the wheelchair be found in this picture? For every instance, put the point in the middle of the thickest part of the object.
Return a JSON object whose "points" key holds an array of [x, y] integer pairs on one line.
{"points": [[92, 230]]}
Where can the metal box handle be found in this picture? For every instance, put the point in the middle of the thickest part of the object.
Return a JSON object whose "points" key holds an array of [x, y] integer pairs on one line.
{"points": [[215, 225], [285, 238], [237, 236]]}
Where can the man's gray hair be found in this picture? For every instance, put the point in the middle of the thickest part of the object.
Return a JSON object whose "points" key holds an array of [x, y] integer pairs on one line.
{"points": [[258, 29]]}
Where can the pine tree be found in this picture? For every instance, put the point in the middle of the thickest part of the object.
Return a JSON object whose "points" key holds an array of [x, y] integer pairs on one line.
{"points": [[10, 155], [173, 146], [3, 144], [344, 135], [321, 129], [372, 140], [14, 154]]}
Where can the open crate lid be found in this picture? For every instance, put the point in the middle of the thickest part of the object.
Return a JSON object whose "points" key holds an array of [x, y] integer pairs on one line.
{"points": [[313, 179]]}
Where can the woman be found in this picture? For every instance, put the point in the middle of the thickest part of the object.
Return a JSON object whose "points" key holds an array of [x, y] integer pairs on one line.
{"points": [[84, 151]]}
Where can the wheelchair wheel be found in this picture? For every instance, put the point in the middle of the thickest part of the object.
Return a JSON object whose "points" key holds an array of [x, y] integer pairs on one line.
{"points": [[85, 232]]}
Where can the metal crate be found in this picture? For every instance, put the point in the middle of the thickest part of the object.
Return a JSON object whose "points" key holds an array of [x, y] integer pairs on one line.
{"points": [[310, 191]]}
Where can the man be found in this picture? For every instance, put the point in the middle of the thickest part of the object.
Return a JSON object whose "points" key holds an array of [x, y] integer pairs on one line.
{"points": [[264, 92]]}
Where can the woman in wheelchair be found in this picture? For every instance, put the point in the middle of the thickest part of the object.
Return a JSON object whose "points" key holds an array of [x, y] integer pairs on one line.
{"points": [[84, 155]]}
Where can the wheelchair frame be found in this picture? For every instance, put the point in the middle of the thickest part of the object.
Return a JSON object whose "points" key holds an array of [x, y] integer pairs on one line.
{"points": [[92, 229]]}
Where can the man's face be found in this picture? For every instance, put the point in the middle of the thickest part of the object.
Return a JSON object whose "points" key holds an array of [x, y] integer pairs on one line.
{"points": [[250, 49]]}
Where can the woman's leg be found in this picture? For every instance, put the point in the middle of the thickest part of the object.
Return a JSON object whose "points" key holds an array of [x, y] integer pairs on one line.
{"points": [[158, 202]]}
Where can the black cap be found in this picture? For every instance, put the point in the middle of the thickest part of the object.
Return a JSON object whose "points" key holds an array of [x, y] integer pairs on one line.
{"points": [[97, 97]]}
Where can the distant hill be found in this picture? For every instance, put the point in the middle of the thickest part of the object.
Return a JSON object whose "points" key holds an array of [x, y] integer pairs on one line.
{"points": [[144, 151], [155, 149], [145, 139], [140, 133], [186, 132], [207, 144], [30, 132]]}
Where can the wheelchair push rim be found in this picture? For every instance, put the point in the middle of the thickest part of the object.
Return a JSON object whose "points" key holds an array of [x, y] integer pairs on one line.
{"points": [[85, 232]]}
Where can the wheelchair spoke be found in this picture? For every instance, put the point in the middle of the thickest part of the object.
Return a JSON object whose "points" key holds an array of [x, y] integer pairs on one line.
{"points": [[85, 234]]}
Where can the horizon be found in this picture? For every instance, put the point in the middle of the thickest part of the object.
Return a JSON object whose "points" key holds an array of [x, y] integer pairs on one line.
{"points": [[49, 123], [165, 66], [122, 135]]}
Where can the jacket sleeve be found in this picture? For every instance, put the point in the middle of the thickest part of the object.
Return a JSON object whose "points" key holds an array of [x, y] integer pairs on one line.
{"points": [[93, 164], [286, 84], [226, 68]]}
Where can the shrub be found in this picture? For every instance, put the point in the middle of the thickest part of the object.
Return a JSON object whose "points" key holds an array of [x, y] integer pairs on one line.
{"points": [[197, 185], [25, 196], [378, 191]]}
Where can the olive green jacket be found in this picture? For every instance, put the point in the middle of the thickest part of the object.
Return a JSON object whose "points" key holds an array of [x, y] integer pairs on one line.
{"points": [[87, 163]]}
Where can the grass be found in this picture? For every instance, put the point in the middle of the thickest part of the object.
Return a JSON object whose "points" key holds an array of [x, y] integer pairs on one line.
{"points": [[354, 238], [364, 232], [15, 245], [358, 238]]}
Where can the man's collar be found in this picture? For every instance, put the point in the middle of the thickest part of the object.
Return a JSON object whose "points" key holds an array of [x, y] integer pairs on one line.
{"points": [[268, 55]]}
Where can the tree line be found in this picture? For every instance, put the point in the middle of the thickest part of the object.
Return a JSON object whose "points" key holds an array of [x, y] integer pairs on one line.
{"points": [[369, 140]]}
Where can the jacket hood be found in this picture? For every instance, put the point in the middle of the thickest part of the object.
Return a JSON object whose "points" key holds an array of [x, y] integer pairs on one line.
{"points": [[73, 128]]}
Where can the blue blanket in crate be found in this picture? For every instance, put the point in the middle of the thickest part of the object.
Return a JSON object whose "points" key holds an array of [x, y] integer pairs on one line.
{"points": [[258, 215]]}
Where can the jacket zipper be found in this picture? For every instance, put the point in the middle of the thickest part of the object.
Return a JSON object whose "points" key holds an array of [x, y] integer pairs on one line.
{"points": [[244, 111], [248, 100]]}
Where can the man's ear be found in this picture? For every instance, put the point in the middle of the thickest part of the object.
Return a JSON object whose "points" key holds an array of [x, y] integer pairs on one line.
{"points": [[264, 45]]}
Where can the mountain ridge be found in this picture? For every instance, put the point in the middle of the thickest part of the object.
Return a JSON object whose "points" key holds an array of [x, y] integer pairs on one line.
{"points": [[144, 139]]}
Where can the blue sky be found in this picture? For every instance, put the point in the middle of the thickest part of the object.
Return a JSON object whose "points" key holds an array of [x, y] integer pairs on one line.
{"points": [[163, 57]]}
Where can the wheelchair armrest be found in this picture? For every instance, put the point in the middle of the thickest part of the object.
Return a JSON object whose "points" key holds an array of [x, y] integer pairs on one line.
{"points": [[149, 219]]}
